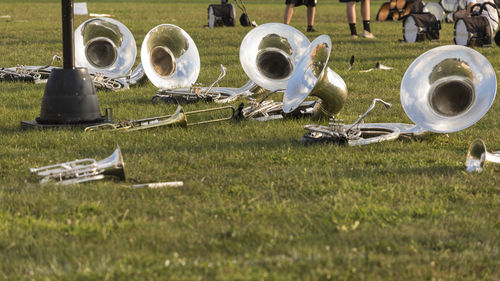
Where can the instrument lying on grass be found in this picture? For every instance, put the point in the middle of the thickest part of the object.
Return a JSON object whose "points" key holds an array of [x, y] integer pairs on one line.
{"points": [[28, 73], [446, 89], [208, 94], [107, 49], [312, 77], [269, 53], [477, 156], [179, 118], [82, 170]]}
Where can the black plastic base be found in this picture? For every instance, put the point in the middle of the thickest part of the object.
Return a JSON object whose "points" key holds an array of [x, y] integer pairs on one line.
{"points": [[69, 98]]}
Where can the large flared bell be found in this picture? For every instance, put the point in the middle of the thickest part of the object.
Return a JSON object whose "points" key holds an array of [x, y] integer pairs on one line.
{"points": [[269, 53], [170, 57], [448, 88], [69, 98], [313, 77], [105, 45]]}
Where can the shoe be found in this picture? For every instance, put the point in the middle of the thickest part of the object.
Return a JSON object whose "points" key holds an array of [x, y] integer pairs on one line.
{"points": [[367, 34], [354, 36], [311, 29]]}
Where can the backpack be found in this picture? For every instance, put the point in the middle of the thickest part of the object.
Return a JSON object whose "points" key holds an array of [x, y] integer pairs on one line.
{"points": [[221, 15]]}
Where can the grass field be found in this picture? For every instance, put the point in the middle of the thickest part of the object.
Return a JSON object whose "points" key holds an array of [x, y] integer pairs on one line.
{"points": [[256, 204]]}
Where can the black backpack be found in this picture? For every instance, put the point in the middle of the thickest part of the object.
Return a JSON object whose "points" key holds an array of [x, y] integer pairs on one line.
{"points": [[221, 15]]}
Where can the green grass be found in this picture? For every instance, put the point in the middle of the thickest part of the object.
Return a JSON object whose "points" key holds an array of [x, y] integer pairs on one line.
{"points": [[256, 204]]}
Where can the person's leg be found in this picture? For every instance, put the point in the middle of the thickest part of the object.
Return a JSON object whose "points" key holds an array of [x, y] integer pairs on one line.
{"points": [[351, 12], [365, 14], [365, 9], [288, 13], [311, 11], [351, 17]]}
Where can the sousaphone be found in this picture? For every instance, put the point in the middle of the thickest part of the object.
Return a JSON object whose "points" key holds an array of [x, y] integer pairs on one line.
{"points": [[313, 77], [170, 57], [448, 88], [106, 46], [269, 53]]}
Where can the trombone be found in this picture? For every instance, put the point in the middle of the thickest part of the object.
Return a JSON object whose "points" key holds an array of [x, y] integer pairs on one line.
{"points": [[178, 118]]}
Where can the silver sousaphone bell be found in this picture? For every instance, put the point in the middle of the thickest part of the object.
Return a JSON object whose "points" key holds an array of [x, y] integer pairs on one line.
{"points": [[448, 88], [170, 57], [269, 53], [106, 46]]}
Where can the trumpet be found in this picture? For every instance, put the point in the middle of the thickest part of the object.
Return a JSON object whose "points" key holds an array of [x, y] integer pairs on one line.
{"points": [[477, 156], [82, 170], [178, 118]]}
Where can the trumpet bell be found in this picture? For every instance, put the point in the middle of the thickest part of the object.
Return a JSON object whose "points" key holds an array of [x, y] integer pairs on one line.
{"points": [[448, 88], [170, 57], [105, 45], [476, 156], [313, 77], [269, 52]]}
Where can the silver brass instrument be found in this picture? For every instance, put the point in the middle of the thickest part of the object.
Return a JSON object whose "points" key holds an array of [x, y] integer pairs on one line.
{"points": [[269, 53], [169, 57], [29, 73], [108, 50], [312, 77], [179, 118], [208, 94], [477, 156], [82, 170], [448, 88], [105, 45]]}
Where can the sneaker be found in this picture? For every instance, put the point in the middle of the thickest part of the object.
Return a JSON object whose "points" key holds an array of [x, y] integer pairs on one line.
{"points": [[311, 29], [367, 34], [354, 36]]}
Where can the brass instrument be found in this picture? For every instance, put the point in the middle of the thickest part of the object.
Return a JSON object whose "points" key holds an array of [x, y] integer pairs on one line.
{"points": [[477, 156], [169, 57], [105, 45], [29, 73], [211, 93], [269, 53], [179, 118], [448, 88], [82, 170], [312, 77]]}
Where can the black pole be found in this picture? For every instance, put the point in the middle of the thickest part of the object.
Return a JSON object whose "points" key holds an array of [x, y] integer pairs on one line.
{"points": [[67, 28]]}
